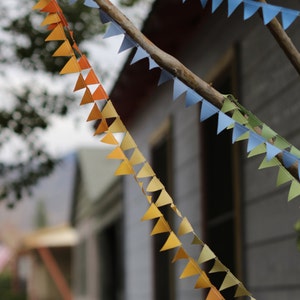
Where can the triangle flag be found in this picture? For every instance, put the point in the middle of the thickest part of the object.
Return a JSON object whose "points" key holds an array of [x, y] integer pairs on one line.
{"points": [[127, 43], [51, 7], [207, 110], [178, 88], [95, 114], [288, 16], [71, 66], [91, 3], [283, 176], [57, 34], [137, 157], [250, 8], [128, 142], [185, 227], [110, 139], [269, 12], [51, 19], [80, 84], [241, 291], [223, 121], [267, 132], [197, 241], [152, 63], [191, 98], [164, 77], [202, 281], [41, 4], [281, 143], [258, 150], [206, 255], [161, 226], [238, 131], [109, 111], [295, 151], [176, 210], [203, 2], [232, 6], [113, 30], [180, 254], [294, 190], [152, 213], [99, 93], [228, 105], [102, 127], [163, 199], [229, 281], [269, 163], [117, 153], [65, 49], [191, 269], [139, 55], [84, 63], [124, 169], [272, 151], [218, 267], [87, 97], [254, 141], [117, 126], [91, 78], [171, 242], [288, 158], [154, 185], [214, 294], [104, 17], [215, 5], [145, 171], [239, 117]]}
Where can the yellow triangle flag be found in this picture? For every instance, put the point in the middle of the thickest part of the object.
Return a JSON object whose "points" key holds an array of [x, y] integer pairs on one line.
{"points": [[180, 254], [241, 291], [218, 267], [128, 142], [110, 139], [161, 226], [191, 269], [41, 4], [91, 78], [205, 255], [197, 241], [172, 242], [102, 127], [185, 227], [214, 294], [51, 19], [64, 49], [57, 34], [117, 153], [117, 126], [109, 111], [154, 185], [294, 190], [71, 66], [124, 169], [229, 281], [80, 83], [176, 210], [145, 171], [203, 281], [87, 97], [152, 213], [163, 199], [95, 114], [137, 157], [149, 198]]}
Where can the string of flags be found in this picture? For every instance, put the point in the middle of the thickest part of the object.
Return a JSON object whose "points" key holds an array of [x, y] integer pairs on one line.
{"points": [[132, 160]]}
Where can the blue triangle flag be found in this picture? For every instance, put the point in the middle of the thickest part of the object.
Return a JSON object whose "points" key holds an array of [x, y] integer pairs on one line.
{"points": [[178, 88], [152, 63], [215, 4], [127, 43], [207, 110], [104, 17], [203, 3], [271, 151], [232, 6], [288, 158], [164, 77], [254, 140], [269, 12], [192, 98], [113, 30], [288, 16], [250, 8], [91, 3], [238, 130], [139, 55], [223, 121]]}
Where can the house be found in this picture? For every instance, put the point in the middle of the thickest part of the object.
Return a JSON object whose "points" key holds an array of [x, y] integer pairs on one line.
{"points": [[237, 209]]}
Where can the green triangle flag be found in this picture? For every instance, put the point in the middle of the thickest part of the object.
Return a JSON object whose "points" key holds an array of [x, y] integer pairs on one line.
{"points": [[269, 163], [294, 190], [283, 176]]}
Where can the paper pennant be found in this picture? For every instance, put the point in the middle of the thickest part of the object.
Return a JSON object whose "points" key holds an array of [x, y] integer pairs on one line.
{"points": [[191, 98], [83, 62], [104, 17], [239, 117], [254, 141], [139, 55], [267, 132], [71, 66], [41, 4], [171, 242], [269, 12], [137, 157], [127, 43], [281, 143], [51, 19], [215, 4], [241, 291], [91, 78], [154, 185], [113, 30], [178, 88], [191, 269], [180, 254], [294, 190], [146, 171], [185, 227], [283, 176], [91, 3], [117, 126], [163, 199], [161, 226], [271, 151], [80, 83], [203, 281], [124, 169], [65, 49], [87, 97], [218, 267], [128, 142], [57, 34], [288, 159], [176, 210], [207, 110], [102, 127], [110, 139], [269, 163], [260, 149], [223, 121], [214, 294], [206, 255], [288, 16], [232, 6], [117, 153], [109, 111], [197, 241], [238, 131], [99, 93], [152, 63], [51, 7], [152, 213], [250, 8], [228, 281], [164, 77], [95, 114], [228, 105]]}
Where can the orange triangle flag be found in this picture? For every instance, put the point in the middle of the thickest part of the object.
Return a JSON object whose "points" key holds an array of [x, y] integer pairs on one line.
{"points": [[136, 157], [51, 7], [87, 97], [180, 254], [185, 227], [109, 138], [64, 49], [203, 281], [109, 111], [128, 142], [83, 62], [117, 126], [102, 127], [51, 19], [124, 169], [161, 226], [154, 185], [41, 4], [214, 294], [172, 242], [57, 34], [163, 199], [145, 171], [152, 213], [99, 93], [71, 66], [117, 153], [95, 114], [190, 269], [91, 78], [80, 84]]}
